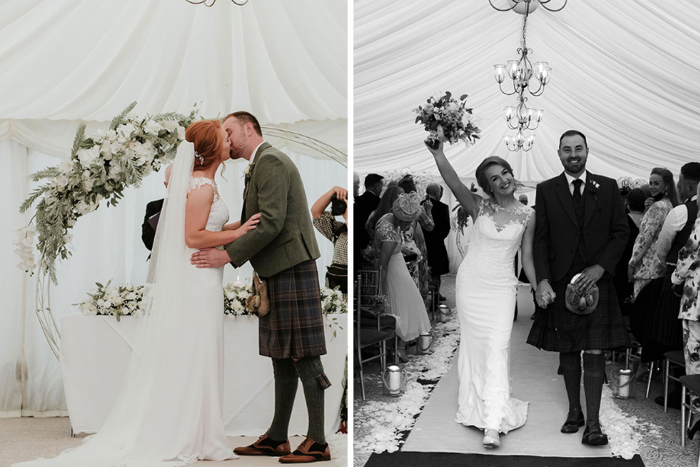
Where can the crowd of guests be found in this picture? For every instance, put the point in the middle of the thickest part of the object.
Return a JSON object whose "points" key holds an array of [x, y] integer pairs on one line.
{"points": [[403, 234], [660, 253]]}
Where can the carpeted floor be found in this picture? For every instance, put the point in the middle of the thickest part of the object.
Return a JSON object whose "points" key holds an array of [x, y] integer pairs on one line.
{"points": [[24, 439], [534, 379]]}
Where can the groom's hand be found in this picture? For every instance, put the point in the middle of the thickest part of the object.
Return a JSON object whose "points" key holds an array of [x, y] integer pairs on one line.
{"points": [[545, 294], [210, 258], [589, 277]]}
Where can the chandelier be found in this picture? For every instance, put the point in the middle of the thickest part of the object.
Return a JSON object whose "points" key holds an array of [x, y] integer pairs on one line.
{"points": [[195, 2], [520, 73]]}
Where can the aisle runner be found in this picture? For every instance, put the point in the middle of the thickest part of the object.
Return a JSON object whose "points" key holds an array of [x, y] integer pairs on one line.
{"points": [[534, 379]]}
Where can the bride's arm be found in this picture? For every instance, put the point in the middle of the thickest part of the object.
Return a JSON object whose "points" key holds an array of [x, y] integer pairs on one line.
{"points": [[196, 215], [232, 226], [468, 200], [526, 248]]}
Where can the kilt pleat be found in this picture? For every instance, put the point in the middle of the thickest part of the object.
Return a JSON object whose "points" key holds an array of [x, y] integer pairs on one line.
{"points": [[294, 326], [559, 330]]}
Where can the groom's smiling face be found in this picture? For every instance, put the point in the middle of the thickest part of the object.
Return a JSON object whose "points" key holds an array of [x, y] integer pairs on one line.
{"points": [[237, 136]]}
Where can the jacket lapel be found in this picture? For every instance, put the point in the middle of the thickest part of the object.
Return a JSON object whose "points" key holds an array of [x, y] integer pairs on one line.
{"points": [[249, 177], [562, 190], [591, 194]]}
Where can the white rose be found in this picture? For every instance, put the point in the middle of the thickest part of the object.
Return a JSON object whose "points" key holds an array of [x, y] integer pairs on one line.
{"points": [[170, 125], [88, 156], [107, 304], [151, 128], [131, 296], [100, 303]]}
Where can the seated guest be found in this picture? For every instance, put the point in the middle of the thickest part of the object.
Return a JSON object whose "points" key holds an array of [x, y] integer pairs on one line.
{"points": [[644, 265], [336, 232], [150, 221], [661, 330], [687, 275]]}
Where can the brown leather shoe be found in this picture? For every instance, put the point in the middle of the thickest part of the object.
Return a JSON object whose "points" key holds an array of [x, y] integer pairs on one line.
{"points": [[265, 446], [308, 451]]}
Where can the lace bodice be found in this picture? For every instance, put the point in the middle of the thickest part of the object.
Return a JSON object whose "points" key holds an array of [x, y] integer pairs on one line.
{"points": [[218, 216], [496, 237], [387, 232]]}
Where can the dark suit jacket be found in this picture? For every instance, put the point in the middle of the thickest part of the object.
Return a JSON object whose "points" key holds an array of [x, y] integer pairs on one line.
{"points": [[363, 207], [435, 239], [148, 233], [605, 228], [285, 235]]}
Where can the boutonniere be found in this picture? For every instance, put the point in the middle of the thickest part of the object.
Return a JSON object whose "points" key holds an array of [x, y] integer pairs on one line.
{"points": [[248, 171], [593, 186]]}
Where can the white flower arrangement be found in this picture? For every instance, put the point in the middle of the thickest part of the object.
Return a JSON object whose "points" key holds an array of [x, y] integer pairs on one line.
{"points": [[235, 297], [447, 119], [113, 300], [125, 300], [101, 167]]}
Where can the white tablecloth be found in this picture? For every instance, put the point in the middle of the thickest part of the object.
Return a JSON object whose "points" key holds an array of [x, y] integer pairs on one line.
{"points": [[95, 353]]}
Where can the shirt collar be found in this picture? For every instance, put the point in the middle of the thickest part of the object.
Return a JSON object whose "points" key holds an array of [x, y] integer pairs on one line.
{"points": [[571, 179], [255, 152]]}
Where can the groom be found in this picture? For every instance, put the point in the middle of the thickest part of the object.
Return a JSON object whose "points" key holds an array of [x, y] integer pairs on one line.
{"points": [[580, 227], [283, 250]]}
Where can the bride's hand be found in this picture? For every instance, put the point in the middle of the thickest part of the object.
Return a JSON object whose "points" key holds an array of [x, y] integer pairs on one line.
{"points": [[250, 223], [434, 151]]}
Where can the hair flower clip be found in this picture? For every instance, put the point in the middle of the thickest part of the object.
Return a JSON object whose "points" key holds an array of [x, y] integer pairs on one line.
{"points": [[199, 157]]}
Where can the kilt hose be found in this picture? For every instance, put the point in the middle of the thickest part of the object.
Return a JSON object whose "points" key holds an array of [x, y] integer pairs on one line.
{"points": [[294, 326], [559, 330]]}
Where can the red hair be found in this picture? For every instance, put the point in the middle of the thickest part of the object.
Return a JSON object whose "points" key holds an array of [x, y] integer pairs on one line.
{"points": [[208, 143]]}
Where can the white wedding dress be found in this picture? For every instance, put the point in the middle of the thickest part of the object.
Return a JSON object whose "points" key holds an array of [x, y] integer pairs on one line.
{"points": [[169, 411], [485, 295]]}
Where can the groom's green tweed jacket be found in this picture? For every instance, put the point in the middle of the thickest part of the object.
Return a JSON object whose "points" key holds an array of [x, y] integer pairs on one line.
{"points": [[285, 235]]}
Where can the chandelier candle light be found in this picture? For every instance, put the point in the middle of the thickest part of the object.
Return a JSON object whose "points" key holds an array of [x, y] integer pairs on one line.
{"points": [[520, 72]]}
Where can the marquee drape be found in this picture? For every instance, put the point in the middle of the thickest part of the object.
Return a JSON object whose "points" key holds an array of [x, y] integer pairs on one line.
{"points": [[625, 73]]}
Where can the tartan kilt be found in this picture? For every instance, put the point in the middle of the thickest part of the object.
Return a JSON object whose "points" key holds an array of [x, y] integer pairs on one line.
{"points": [[294, 326], [559, 330]]}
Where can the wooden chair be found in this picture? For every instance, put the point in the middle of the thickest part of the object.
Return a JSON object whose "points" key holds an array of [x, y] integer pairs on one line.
{"points": [[366, 295]]}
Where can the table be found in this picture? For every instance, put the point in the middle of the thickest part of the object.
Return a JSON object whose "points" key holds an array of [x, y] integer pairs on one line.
{"points": [[95, 353]]}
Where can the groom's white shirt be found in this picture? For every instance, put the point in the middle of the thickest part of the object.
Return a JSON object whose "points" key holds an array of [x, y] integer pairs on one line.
{"points": [[255, 151], [571, 179]]}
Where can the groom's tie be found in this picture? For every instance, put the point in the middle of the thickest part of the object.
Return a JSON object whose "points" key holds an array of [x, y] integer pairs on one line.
{"points": [[577, 189]]}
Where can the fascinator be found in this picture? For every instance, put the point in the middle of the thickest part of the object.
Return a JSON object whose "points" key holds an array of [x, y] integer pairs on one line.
{"points": [[407, 206]]}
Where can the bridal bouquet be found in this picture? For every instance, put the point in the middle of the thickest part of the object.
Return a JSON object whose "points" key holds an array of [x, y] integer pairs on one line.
{"points": [[447, 119], [116, 300]]}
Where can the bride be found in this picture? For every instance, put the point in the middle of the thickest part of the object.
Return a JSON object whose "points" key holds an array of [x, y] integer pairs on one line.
{"points": [[486, 294], [169, 411]]}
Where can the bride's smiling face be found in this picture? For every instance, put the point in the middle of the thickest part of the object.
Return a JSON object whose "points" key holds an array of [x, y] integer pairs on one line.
{"points": [[500, 180]]}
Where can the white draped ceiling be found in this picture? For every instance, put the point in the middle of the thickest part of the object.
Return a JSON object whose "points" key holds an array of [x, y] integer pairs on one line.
{"points": [[64, 62], [625, 72]]}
